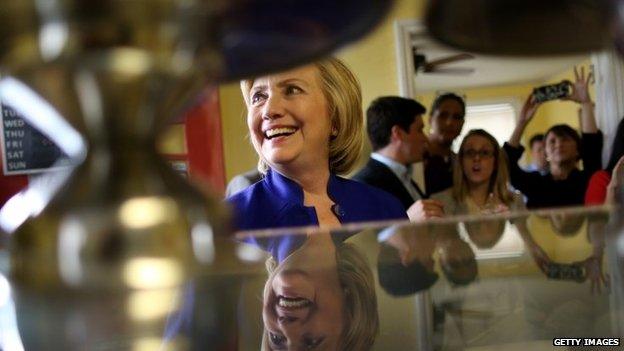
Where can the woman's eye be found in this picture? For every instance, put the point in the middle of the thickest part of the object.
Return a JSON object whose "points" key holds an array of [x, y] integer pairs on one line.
{"points": [[277, 340], [291, 89], [257, 97]]}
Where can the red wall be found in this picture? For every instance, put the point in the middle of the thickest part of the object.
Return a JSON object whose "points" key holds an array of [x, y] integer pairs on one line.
{"points": [[204, 143]]}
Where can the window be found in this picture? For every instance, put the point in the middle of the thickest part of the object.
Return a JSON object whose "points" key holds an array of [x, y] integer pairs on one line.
{"points": [[498, 119]]}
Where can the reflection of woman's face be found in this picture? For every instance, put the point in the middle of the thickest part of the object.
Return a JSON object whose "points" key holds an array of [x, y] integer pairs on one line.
{"points": [[304, 306], [478, 159], [288, 118]]}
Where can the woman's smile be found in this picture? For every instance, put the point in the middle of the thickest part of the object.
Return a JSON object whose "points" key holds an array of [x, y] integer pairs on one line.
{"points": [[279, 132]]}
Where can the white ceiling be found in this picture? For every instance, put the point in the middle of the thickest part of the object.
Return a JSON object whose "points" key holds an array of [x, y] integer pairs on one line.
{"points": [[489, 70]]}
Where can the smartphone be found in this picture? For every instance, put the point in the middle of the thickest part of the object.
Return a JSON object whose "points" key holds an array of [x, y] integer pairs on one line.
{"points": [[561, 271], [553, 92]]}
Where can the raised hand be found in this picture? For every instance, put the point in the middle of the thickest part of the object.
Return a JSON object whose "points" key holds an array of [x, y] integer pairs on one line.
{"points": [[617, 176], [528, 109], [580, 87], [597, 278]]}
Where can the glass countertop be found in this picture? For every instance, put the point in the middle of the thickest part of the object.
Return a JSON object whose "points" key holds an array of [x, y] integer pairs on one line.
{"points": [[490, 282]]}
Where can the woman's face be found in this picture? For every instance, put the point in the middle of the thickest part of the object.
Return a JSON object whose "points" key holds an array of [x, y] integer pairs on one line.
{"points": [[447, 121], [478, 160], [288, 119], [304, 306], [560, 149]]}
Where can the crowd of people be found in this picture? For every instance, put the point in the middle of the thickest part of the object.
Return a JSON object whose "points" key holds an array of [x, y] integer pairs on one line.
{"points": [[305, 125]]}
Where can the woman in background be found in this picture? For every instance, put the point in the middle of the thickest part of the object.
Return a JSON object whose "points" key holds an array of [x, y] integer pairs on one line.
{"points": [[603, 183], [304, 124], [480, 179]]}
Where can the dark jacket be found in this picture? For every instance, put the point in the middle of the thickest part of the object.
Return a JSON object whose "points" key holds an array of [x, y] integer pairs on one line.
{"points": [[380, 176], [544, 190]]}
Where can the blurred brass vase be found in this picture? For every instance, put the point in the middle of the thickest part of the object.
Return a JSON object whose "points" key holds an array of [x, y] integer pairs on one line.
{"points": [[124, 247]]}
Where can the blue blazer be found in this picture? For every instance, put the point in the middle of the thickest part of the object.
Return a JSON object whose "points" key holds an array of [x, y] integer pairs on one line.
{"points": [[277, 202]]}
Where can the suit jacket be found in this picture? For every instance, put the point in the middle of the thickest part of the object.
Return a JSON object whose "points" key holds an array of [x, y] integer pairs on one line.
{"points": [[380, 176]]}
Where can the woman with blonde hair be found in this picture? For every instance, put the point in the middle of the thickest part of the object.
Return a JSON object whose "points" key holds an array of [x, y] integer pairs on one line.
{"points": [[322, 296], [480, 178], [305, 125]]}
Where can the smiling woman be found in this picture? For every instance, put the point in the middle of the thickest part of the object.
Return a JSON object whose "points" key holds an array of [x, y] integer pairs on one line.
{"points": [[305, 125], [321, 297]]}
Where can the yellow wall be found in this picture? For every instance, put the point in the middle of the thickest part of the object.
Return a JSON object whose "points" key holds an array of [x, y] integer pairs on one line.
{"points": [[240, 156]]}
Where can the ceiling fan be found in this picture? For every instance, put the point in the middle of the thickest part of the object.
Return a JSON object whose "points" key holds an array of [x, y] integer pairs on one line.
{"points": [[437, 66]]}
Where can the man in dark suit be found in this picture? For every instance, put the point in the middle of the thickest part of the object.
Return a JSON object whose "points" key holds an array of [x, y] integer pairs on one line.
{"points": [[395, 129]]}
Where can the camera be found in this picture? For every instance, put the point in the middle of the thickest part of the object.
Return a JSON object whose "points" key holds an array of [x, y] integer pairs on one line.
{"points": [[553, 92]]}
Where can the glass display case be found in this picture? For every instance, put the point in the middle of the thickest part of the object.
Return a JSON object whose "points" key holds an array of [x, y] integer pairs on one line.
{"points": [[512, 281]]}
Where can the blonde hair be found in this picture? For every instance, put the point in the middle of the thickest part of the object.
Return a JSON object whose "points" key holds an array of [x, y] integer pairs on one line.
{"points": [[344, 96], [360, 300], [499, 179]]}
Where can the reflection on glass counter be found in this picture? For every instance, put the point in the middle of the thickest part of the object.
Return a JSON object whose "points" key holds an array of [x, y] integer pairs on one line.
{"points": [[502, 281]]}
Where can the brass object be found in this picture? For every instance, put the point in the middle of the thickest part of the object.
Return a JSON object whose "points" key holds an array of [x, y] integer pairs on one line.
{"points": [[127, 245]]}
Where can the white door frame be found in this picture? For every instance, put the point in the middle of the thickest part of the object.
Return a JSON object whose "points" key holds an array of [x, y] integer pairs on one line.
{"points": [[403, 31]]}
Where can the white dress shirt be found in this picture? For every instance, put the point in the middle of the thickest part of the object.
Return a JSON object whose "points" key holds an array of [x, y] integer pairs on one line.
{"points": [[403, 172]]}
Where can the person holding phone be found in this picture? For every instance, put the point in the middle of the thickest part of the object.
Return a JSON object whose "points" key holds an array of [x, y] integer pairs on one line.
{"points": [[565, 185]]}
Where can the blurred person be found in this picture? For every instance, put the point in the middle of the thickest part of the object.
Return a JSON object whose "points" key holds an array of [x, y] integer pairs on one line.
{"points": [[565, 184], [457, 260], [405, 262], [589, 268], [485, 233], [304, 124], [538, 155], [566, 224], [322, 296], [395, 129], [446, 120], [604, 183], [480, 179]]}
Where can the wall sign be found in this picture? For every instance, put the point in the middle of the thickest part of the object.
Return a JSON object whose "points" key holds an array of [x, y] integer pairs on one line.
{"points": [[25, 149]]}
